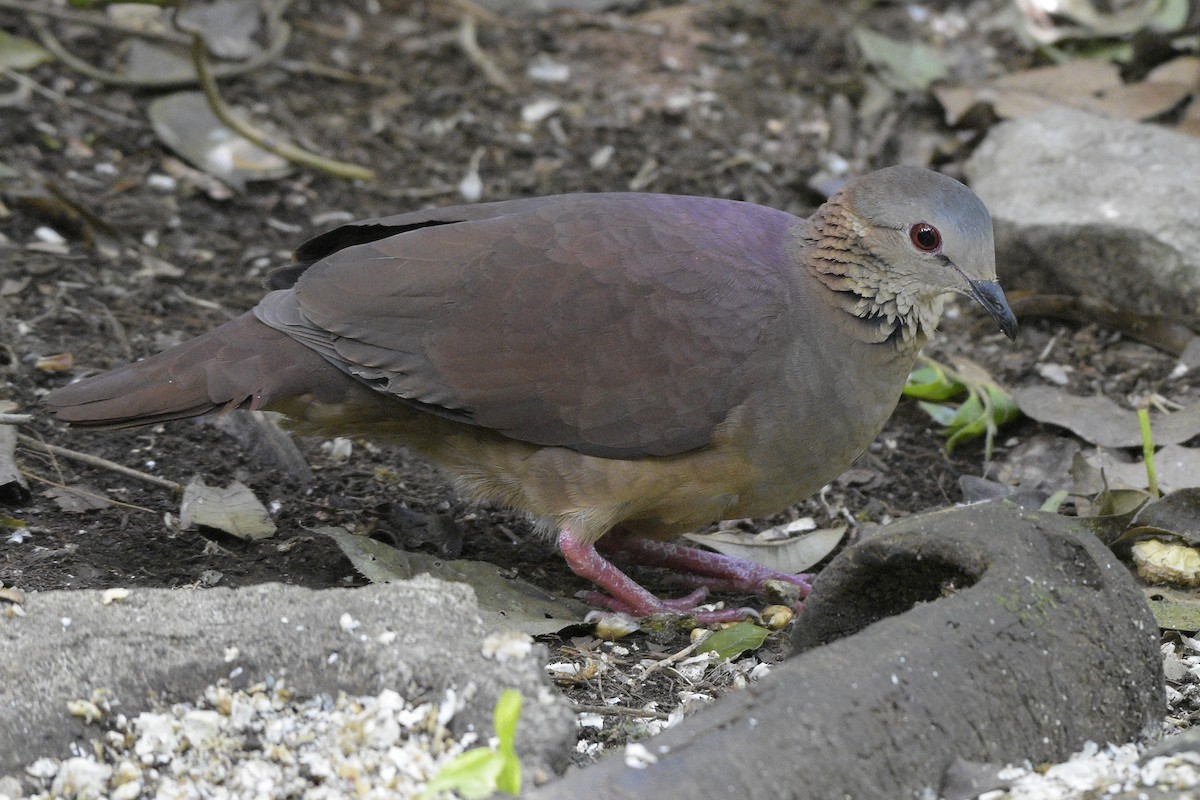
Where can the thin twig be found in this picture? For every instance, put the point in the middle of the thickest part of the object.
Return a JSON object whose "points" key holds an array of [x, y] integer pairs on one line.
{"points": [[287, 150], [619, 711], [332, 73], [676, 657], [478, 12], [82, 493], [15, 419], [282, 30], [42, 8], [468, 42], [28, 84], [102, 463]]}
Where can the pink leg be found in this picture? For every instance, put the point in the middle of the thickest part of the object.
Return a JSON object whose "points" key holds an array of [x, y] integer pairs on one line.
{"points": [[627, 594], [681, 605], [700, 567]]}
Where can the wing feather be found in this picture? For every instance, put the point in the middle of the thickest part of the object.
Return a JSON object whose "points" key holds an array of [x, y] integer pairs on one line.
{"points": [[619, 325]]}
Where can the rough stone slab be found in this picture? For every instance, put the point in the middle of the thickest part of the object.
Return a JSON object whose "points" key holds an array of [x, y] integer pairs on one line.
{"points": [[172, 643], [988, 633], [1090, 205]]}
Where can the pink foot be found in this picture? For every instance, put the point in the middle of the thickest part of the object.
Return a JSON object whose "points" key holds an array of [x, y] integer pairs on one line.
{"points": [[629, 596], [701, 568]]}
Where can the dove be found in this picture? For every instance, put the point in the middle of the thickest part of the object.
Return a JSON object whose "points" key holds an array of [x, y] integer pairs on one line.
{"points": [[622, 367]]}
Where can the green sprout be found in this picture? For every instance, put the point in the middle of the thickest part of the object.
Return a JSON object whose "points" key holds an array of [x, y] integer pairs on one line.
{"points": [[987, 406], [482, 771], [1148, 452]]}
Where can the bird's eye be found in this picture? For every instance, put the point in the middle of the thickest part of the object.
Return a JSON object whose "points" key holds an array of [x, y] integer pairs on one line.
{"points": [[925, 237]]}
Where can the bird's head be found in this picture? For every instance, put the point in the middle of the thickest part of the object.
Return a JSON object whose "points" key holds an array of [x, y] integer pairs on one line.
{"points": [[931, 234]]}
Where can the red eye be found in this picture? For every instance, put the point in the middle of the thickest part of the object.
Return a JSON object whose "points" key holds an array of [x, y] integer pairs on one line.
{"points": [[925, 237]]}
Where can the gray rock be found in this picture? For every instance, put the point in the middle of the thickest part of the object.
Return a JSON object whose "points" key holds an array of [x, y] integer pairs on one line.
{"points": [[170, 644], [985, 634], [1090, 205]]}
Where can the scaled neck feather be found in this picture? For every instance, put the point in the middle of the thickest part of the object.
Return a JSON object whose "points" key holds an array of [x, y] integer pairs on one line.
{"points": [[834, 249]]}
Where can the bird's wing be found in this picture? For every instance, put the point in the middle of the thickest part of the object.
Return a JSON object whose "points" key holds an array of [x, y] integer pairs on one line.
{"points": [[619, 325]]}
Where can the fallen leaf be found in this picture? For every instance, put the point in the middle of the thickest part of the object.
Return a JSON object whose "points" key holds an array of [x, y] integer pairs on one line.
{"points": [[1177, 514], [1050, 21], [186, 124], [228, 26], [1102, 422], [790, 555], [1086, 84], [731, 642], [1176, 467], [233, 509], [505, 603], [21, 54], [1040, 462], [905, 66], [77, 498]]}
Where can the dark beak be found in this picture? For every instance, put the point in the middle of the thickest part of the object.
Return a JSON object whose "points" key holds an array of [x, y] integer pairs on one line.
{"points": [[991, 297]]}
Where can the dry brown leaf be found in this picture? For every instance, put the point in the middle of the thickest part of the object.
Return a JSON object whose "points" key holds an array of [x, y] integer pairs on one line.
{"points": [[233, 509], [792, 555], [1086, 84], [1176, 468], [1100, 421], [77, 498]]}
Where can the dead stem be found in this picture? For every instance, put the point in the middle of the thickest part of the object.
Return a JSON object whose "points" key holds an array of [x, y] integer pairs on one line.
{"points": [[102, 463], [619, 711], [468, 42], [286, 150]]}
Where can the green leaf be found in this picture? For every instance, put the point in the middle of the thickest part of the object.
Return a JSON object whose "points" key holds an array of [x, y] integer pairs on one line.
{"points": [[964, 433], [505, 716], [481, 771], [473, 775], [941, 414], [968, 413], [504, 719], [930, 382], [1004, 407], [986, 408], [735, 640]]}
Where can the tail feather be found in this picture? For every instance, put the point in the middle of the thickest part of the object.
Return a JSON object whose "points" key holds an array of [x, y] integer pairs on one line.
{"points": [[242, 364]]}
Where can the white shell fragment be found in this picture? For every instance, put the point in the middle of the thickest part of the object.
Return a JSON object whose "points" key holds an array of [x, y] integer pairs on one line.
{"points": [[1167, 562], [114, 595]]}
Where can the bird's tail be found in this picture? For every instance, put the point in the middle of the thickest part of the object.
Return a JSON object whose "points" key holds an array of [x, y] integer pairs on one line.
{"points": [[242, 364]]}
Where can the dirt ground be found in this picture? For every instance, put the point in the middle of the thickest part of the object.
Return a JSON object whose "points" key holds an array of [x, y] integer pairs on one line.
{"points": [[740, 99]]}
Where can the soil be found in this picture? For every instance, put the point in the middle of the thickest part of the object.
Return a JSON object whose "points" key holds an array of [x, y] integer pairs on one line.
{"points": [[740, 99]]}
